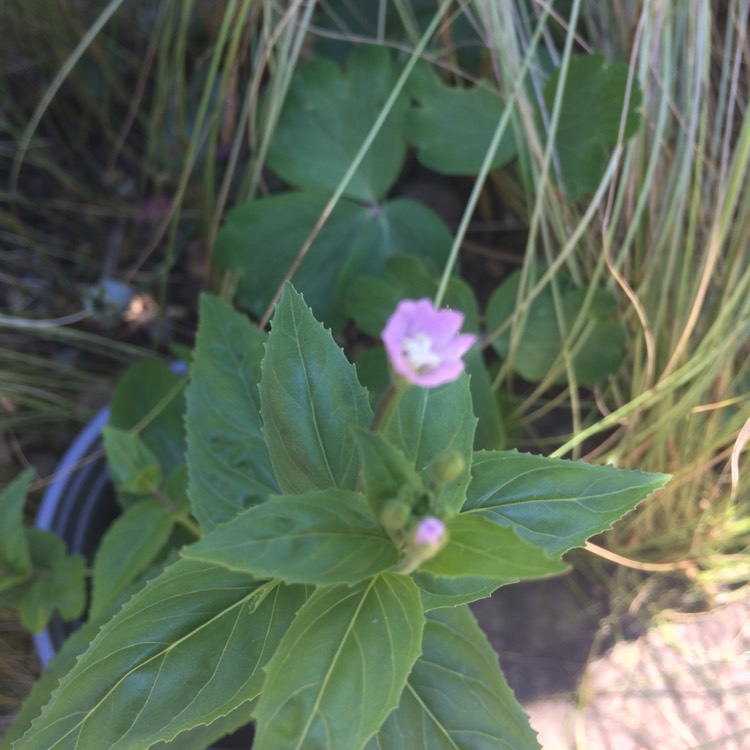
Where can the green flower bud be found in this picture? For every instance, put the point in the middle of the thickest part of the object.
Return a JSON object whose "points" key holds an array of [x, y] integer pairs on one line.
{"points": [[395, 516], [448, 466]]}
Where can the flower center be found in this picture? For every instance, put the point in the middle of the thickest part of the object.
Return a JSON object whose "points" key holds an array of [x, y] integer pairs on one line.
{"points": [[418, 350]]}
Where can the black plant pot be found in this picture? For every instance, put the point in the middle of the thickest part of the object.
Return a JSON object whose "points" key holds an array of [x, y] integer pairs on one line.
{"points": [[79, 505]]}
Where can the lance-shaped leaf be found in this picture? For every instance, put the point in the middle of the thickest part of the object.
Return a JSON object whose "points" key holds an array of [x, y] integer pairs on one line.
{"points": [[64, 660], [150, 396], [187, 649], [428, 424], [456, 697], [552, 503], [341, 666], [310, 401], [127, 549], [228, 463], [323, 537], [15, 558], [450, 592], [206, 735], [386, 473], [479, 548], [131, 463]]}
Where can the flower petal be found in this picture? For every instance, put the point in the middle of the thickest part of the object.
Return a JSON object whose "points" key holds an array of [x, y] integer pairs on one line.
{"points": [[424, 344]]}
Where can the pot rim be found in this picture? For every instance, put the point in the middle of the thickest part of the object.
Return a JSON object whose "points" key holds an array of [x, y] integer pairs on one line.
{"points": [[78, 450]]}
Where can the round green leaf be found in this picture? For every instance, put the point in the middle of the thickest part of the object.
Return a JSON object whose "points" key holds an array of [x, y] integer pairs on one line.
{"points": [[327, 114], [452, 127], [589, 124], [15, 558], [599, 346], [261, 240]]}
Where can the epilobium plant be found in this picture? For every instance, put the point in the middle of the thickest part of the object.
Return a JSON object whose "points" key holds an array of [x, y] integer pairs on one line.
{"points": [[326, 598]]}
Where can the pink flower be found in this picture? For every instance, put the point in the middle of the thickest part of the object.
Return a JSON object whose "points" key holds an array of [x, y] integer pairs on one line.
{"points": [[430, 533], [425, 541], [424, 344]]}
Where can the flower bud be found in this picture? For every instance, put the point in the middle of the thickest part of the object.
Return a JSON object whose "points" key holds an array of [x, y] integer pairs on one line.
{"points": [[430, 532], [394, 516], [427, 539], [448, 466]]}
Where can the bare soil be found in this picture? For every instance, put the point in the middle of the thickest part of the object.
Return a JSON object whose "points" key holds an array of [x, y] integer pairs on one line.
{"points": [[682, 684]]}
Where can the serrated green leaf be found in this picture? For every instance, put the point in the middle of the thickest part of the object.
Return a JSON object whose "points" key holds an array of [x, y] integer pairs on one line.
{"points": [[127, 549], [373, 371], [62, 662], [176, 489], [310, 402], [474, 115], [150, 396], [321, 537], [479, 548], [386, 473], [540, 344], [15, 557], [552, 503], [490, 432], [228, 463], [590, 116], [427, 423], [131, 463], [355, 240], [57, 583], [450, 592], [326, 116], [210, 736], [341, 666], [456, 697], [186, 650]]}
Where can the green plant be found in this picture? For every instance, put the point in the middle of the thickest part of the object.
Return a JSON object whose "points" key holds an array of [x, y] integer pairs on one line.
{"points": [[325, 535], [341, 140], [607, 274]]}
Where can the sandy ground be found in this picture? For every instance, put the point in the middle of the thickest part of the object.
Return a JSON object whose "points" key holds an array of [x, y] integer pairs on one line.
{"points": [[685, 684]]}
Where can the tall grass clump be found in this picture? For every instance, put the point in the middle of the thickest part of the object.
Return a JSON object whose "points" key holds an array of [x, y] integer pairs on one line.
{"points": [[125, 131], [668, 230]]}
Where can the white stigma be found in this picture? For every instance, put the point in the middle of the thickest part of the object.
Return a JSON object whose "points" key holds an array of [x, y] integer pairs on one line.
{"points": [[418, 350]]}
